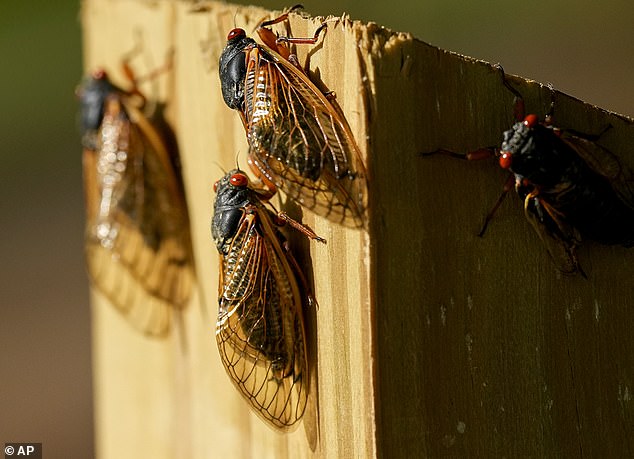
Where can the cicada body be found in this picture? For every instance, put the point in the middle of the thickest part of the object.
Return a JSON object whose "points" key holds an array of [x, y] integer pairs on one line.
{"points": [[573, 189], [137, 240], [298, 140], [261, 301]]}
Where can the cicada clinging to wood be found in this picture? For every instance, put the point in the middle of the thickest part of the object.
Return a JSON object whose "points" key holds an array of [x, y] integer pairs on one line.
{"points": [[299, 141], [261, 302], [137, 240], [572, 187]]}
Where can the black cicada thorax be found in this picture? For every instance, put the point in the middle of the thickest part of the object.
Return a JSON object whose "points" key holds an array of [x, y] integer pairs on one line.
{"points": [[233, 69], [94, 92]]}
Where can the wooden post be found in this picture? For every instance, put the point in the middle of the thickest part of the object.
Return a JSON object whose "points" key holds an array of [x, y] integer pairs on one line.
{"points": [[429, 341]]}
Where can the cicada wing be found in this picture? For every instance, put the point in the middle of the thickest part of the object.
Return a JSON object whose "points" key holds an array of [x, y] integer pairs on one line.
{"points": [[260, 329], [559, 238], [137, 235], [300, 141], [606, 164]]}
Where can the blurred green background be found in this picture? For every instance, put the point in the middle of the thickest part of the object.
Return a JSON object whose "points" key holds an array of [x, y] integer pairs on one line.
{"points": [[584, 48]]}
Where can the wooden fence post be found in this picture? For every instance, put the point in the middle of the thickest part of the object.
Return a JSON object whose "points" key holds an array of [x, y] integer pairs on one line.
{"points": [[428, 340]]}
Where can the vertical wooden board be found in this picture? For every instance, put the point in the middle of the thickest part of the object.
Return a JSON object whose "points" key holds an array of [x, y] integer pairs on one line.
{"points": [[494, 344]]}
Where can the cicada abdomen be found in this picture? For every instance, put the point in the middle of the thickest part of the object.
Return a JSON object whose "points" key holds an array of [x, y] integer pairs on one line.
{"points": [[137, 240], [261, 303], [298, 140]]}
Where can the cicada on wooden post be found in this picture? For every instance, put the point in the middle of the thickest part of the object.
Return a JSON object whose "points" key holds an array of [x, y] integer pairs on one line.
{"points": [[573, 189], [298, 140], [137, 240], [261, 302]]}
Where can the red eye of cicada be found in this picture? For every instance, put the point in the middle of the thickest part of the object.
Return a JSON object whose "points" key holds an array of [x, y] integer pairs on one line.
{"points": [[99, 74], [530, 121], [239, 180], [236, 33], [506, 159]]}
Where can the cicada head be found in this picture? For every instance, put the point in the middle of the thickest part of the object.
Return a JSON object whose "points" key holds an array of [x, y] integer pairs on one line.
{"points": [[92, 93], [232, 195], [534, 151], [233, 68], [518, 153], [515, 141]]}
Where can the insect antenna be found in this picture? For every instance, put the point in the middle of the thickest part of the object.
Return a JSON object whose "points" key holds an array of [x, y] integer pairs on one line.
{"points": [[216, 163], [237, 162]]}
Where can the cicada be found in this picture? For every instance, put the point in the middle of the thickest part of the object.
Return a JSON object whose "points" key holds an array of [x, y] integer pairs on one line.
{"points": [[299, 141], [572, 188], [261, 302], [137, 240]]}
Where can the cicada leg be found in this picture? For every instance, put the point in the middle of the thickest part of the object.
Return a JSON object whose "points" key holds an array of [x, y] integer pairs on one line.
{"points": [[518, 106], [258, 170], [307, 231], [135, 81], [269, 191], [300, 275], [283, 17], [508, 185], [476, 155], [303, 41], [279, 44]]}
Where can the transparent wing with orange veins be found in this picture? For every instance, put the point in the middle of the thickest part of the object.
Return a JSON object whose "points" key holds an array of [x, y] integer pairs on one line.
{"points": [[260, 328], [301, 142], [137, 241]]}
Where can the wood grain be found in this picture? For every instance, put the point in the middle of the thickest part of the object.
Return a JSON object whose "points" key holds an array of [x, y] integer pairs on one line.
{"points": [[429, 341]]}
